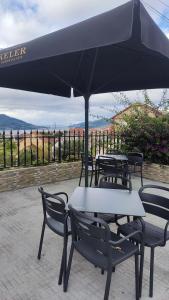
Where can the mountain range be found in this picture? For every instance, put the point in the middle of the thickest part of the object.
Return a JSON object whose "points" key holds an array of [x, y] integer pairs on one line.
{"points": [[93, 124], [7, 123]]}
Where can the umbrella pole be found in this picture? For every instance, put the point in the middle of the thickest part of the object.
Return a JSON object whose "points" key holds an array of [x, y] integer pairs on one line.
{"points": [[86, 98]]}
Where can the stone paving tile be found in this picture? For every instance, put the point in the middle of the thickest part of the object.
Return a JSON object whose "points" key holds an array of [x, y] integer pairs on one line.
{"points": [[23, 277]]}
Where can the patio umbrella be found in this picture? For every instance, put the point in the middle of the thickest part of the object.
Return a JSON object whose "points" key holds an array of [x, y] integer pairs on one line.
{"points": [[119, 50]]}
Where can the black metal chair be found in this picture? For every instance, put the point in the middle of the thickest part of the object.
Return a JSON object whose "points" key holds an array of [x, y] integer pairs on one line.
{"points": [[154, 236], [105, 182], [135, 163], [110, 166], [56, 217], [101, 247], [91, 167]]}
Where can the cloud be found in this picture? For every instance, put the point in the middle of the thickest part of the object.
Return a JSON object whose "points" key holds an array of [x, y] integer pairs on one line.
{"points": [[23, 20]]}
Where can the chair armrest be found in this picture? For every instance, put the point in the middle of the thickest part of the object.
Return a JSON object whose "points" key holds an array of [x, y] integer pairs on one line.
{"points": [[127, 237], [165, 232], [62, 193], [95, 220], [66, 224]]}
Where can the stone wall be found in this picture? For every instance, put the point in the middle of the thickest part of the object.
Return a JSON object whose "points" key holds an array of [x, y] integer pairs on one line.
{"points": [[156, 172], [24, 177]]}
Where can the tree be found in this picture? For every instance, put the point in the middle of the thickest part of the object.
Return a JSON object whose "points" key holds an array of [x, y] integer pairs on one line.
{"points": [[122, 101]]}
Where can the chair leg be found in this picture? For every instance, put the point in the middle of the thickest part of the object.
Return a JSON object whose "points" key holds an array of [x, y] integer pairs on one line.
{"points": [[61, 270], [80, 176], [95, 177], [41, 240], [137, 276], [141, 271], [69, 266], [108, 281], [65, 262], [151, 272], [141, 176], [91, 179], [62, 273]]}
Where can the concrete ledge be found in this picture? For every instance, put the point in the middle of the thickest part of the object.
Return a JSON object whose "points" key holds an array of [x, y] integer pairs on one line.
{"points": [[156, 172], [24, 177], [18, 178]]}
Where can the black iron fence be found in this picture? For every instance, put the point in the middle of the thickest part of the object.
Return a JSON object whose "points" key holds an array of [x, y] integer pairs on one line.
{"points": [[44, 147]]}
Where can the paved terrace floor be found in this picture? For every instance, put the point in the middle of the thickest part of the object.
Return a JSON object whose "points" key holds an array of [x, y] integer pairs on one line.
{"points": [[23, 277]]}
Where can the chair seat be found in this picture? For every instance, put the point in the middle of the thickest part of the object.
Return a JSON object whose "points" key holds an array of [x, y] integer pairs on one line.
{"points": [[56, 226], [153, 237], [96, 257], [109, 218]]}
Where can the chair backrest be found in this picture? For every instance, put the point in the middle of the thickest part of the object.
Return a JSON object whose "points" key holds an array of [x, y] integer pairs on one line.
{"points": [[135, 157], [90, 160], [113, 151], [111, 165], [106, 163], [53, 206], [105, 182], [155, 203], [92, 231]]}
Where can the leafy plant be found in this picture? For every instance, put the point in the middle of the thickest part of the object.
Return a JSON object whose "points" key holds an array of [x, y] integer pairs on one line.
{"points": [[147, 135]]}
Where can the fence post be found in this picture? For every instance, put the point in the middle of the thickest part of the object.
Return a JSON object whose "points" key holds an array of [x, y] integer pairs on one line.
{"points": [[91, 142], [69, 145], [79, 146], [11, 147], [59, 145], [74, 145], [43, 146], [48, 147], [31, 147], [18, 148], [103, 141], [54, 145], [37, 148], [24, 138], [4, 149]]}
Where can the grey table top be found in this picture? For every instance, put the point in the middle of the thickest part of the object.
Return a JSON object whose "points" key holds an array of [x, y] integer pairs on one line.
{"points": [[101, 200], [120, 157]]}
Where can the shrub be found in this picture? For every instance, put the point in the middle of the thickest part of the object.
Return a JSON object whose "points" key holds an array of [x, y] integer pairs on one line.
{"points": [[147, 135]]}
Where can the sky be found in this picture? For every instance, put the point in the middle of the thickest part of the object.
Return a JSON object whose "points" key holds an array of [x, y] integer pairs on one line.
{"points": [[23, 20]]}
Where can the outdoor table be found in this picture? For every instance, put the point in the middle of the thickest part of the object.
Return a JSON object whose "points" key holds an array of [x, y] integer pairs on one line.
{"points": [[119, 157], [99, 200]]}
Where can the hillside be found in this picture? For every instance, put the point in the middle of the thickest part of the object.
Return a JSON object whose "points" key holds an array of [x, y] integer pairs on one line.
{"points": [[93, 124], [7, 123]]}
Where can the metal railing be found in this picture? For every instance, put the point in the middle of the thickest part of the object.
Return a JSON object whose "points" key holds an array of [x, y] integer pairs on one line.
{"points": [[44, 147]]}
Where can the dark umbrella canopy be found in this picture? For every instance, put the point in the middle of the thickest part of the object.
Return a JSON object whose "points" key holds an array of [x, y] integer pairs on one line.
{"points": [[119, 50], [122, 49]]}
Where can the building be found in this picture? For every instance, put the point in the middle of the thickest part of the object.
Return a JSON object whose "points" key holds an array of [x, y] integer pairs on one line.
{"points": [[128, 111]]}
